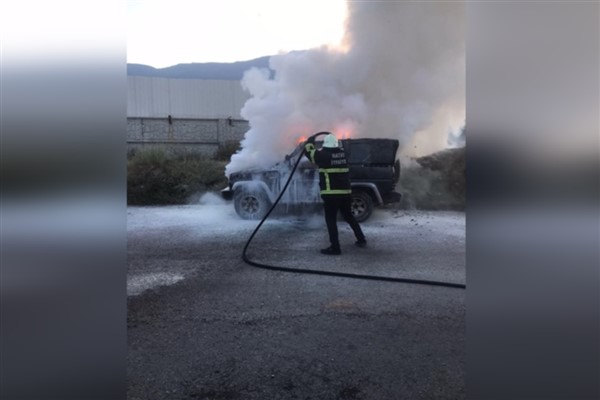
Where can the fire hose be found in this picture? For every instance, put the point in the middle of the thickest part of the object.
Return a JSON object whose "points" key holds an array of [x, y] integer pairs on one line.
{"points": [[324, 272]]}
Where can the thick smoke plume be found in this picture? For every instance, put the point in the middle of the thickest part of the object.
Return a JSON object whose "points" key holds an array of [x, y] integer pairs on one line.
{"points": [[399, 73]]}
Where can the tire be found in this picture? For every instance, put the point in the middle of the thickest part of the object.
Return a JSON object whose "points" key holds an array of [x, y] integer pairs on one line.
{"points": [[361, 206], [251, 203]]}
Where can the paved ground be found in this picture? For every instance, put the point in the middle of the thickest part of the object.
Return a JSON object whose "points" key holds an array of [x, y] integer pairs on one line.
{"points": [[204, 325]]}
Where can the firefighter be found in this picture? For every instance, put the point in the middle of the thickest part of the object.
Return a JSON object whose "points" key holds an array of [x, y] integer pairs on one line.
{"points": [[334, 182]]}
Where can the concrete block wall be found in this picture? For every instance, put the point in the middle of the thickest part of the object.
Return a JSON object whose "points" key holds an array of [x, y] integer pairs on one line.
{"points": [[184, 134]]}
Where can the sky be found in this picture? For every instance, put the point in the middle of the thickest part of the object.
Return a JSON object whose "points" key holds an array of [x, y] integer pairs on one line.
{"points": [[162, 33]]}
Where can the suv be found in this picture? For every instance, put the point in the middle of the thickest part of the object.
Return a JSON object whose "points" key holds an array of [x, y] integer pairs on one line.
{"points": [[374, 171]]}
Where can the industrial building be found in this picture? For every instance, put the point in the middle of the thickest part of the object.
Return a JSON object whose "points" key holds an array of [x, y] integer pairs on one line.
{"points": [[184, 115]]}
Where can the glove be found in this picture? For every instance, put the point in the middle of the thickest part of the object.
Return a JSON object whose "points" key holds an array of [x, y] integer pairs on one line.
{"points": [[309, 149], [311, 140]]}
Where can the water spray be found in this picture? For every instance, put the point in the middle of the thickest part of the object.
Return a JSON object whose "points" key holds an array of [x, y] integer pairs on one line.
{"points": [[328, 273]]}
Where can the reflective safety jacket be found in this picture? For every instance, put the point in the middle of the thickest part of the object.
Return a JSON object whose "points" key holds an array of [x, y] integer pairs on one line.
{"points": [[334, 177]]}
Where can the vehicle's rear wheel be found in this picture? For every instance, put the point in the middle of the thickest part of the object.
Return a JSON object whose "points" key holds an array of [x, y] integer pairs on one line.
{"points": [[251, 203], [362, 206]]}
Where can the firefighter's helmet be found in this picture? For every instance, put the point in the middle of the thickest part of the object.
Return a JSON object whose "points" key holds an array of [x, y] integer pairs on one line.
{"points": [[330, 141]]}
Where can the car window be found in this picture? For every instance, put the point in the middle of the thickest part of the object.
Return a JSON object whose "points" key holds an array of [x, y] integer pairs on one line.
{"points": [[360, 153], [371, 151]]}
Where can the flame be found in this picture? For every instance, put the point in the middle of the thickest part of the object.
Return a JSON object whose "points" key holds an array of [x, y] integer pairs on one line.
{"points": [[301, 139], [340, 135], [343, 135]]}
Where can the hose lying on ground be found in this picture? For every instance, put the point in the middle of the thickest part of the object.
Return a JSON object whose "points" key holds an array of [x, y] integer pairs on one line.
{"points": [[329, 273]]}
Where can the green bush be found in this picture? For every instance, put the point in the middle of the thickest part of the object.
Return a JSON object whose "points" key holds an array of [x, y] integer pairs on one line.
{"points": [[155, 177], [226, 150]]}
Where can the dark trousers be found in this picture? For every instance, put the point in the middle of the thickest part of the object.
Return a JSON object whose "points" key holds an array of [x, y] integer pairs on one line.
{"points": [[342, 203]]}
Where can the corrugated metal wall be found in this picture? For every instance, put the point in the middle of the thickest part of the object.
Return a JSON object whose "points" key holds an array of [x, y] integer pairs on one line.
{"points": [[184, 98]]}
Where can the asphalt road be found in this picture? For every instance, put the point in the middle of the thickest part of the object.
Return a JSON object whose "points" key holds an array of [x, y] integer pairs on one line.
{"points": [[204, 325]]}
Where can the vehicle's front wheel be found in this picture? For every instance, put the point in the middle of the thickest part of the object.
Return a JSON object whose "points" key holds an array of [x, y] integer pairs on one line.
{"points": [[361, 205], [251, 203]]}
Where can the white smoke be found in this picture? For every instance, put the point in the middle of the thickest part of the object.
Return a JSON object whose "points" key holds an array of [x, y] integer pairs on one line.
{"points": [[399, 73]]}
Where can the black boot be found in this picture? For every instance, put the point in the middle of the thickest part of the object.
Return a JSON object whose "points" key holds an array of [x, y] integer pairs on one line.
{"points": [[361, 243], [331, 251]]}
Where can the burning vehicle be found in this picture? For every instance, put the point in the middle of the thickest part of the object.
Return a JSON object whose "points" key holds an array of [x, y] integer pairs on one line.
{"points": [[374, 172]]}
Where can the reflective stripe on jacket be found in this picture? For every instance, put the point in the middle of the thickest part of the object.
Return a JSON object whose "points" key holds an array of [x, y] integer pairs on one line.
{"points": [[334, 177]]}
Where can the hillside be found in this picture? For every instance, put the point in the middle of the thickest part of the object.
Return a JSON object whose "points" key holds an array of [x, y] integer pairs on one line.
{"points": [[211, 70]]}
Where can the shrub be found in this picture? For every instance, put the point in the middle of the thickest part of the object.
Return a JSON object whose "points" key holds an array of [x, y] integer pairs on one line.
{"points": [[435, 182], [155, 177], [226, 150]]}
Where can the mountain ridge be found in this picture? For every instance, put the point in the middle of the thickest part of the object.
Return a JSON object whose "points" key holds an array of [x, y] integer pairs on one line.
{"points": [[208, 70]]}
